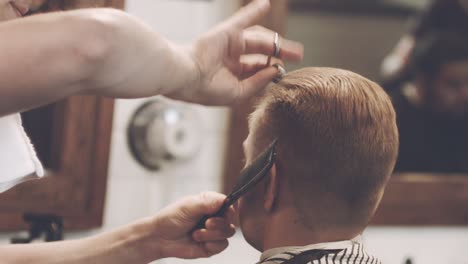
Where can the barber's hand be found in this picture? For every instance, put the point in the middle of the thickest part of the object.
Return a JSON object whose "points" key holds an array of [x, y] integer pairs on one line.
{"points": [[231, 59], [399, 59], [173, 226]]}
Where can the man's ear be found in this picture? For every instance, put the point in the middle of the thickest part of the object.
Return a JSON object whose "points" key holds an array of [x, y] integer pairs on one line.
{"points": [[271, 190]]}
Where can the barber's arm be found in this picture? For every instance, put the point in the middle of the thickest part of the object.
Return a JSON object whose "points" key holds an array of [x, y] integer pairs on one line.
{"points": [[165, 235], [44, 58]]}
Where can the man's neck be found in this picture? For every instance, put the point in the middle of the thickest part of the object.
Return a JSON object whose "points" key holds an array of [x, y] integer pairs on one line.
{"points": [[286, 231]]}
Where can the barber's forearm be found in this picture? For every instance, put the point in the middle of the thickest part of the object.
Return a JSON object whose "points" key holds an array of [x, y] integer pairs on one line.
{"points": [[129, 244], [125, 245], [140, 62], [44, 58], [135, 243], [96, 51]]}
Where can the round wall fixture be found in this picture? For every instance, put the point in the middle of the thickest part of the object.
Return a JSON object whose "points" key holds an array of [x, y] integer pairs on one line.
{"points": [[162, 131]]}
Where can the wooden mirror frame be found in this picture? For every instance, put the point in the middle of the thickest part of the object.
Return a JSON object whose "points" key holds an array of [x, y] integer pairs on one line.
{"points": [[410, 199], [423, 199], [78, 133]]}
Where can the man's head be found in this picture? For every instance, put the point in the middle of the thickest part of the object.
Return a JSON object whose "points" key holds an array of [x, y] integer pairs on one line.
{"points": [[464, 4], [440, 61], [337, 146]]}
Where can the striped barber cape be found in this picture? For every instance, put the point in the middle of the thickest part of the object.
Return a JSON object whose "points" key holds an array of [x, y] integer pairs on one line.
{"points": [[342, 252]]}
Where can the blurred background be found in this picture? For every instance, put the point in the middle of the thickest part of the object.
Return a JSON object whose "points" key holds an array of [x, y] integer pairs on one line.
{"points": [[139, 155]]}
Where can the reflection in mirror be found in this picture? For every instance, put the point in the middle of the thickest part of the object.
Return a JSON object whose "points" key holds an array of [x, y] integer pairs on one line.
{"points": [[40, 6], [430, 91]]}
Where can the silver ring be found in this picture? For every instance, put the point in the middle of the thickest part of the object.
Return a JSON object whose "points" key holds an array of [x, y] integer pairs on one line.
{"points": [[277, 45]]}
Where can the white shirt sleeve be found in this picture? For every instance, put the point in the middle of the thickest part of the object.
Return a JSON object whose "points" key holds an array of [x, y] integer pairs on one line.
{"points": [[18, 160]]}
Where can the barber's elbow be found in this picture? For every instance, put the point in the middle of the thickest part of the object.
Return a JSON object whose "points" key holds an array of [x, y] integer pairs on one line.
{"points": [[98, 32]]}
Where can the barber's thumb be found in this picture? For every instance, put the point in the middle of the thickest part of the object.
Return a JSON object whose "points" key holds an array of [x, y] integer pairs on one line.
{"points": [[258, 82], [207, 203]]}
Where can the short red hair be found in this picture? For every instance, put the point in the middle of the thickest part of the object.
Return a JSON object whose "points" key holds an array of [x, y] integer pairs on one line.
{"points": [[338, 141]]}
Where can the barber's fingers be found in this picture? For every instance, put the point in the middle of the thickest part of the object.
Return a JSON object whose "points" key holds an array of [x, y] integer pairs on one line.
{"points": [[205, 235], [253, 63], [216, 247], [216, 229], [260, 40], [256, 83], [219, 223], [195, 207], [249, 15]]}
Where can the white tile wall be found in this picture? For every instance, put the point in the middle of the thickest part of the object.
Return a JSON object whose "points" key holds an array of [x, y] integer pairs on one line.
{"points": [[423, 245], [181, 21]]}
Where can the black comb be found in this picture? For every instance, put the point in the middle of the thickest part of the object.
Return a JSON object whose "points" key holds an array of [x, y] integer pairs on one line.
{"points": [[248, 178]]}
